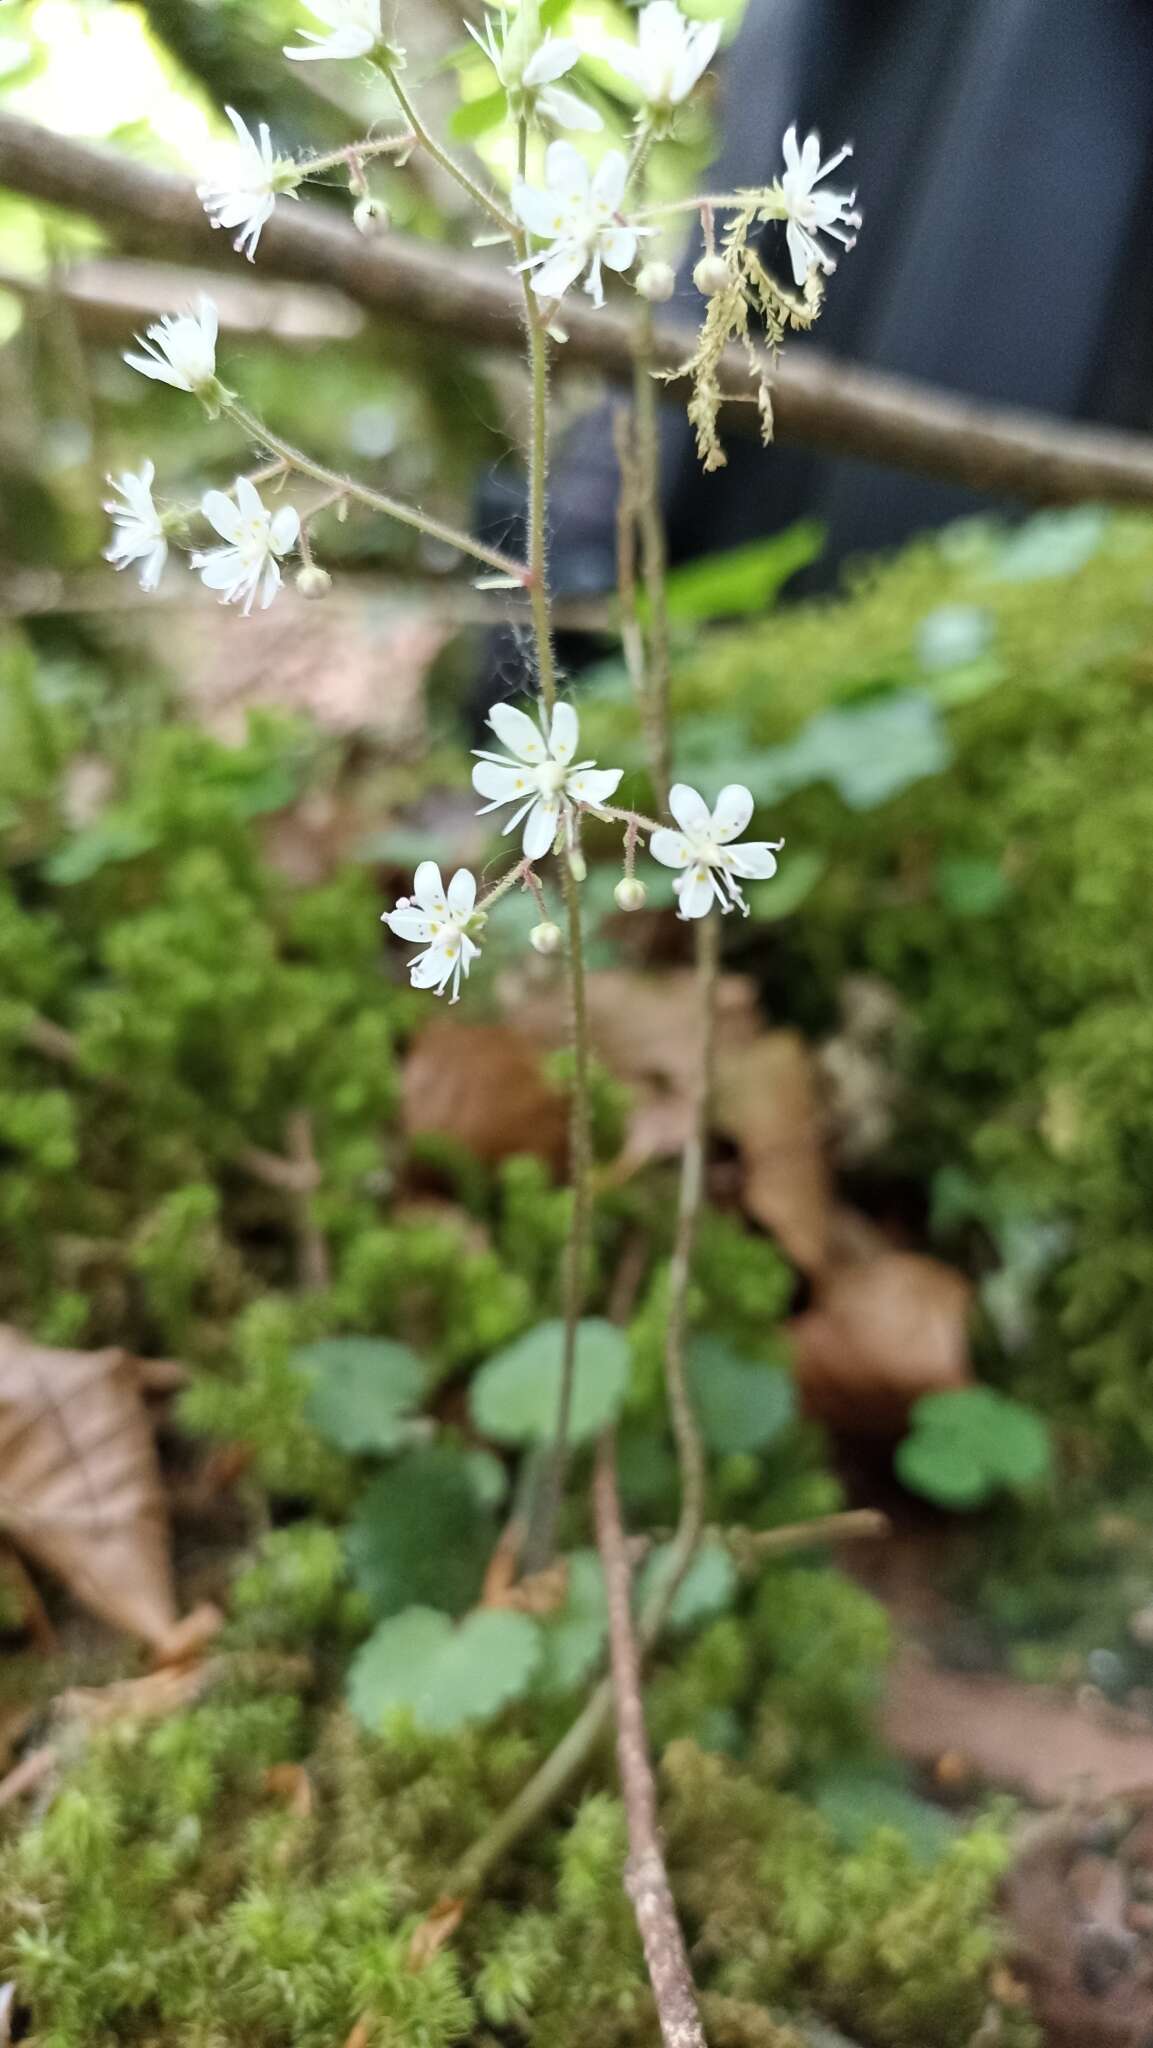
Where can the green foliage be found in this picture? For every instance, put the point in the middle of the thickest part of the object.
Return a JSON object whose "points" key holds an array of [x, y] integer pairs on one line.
{"points": [[421, 1535], [741, 1405], [963, 1447], [362, 1391], [515, 1397], [418, 1664]]}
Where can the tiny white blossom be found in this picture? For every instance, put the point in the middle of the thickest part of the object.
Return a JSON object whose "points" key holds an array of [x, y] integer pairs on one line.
{"points": [[578, 214], [703, 848], [353, 30], [243, 191], [442, 921], [669, 56], [180, 349], [530, 78], [542, 779], [138, 530], [811, 214], [247, 567]]}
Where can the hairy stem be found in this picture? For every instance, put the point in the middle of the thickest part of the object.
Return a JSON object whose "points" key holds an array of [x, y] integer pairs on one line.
{"points": [[440, 155], [654, 555], [363, 494], [686, 1431], [646, 1876]]}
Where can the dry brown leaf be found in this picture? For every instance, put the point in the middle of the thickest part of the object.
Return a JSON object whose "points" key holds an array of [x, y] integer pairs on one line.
{"points": [[766, 1101], [483, 1085], [292, 1786], [80, 1486], [437, 1928], [360, 2035], [879, 1335], [645, 1028]]}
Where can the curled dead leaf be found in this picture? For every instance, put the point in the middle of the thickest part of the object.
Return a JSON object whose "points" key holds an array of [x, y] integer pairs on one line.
{"points": [[766, 1101], [80, 1486], [880, 1334], [483, 1085], [437, 1928]]}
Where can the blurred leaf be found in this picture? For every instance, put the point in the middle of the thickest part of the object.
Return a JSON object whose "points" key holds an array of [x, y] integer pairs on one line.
{"points": [[971, 887], [744, 580], [474, 118], [1052, 544], [515, 1397], [572, 1642], [793, 884], [420, 1535], [708, 1587], [968, 1445], [856, 1800], [114, 837], [488, 1476], [742, 1404], [364, 1391], [869, 751], [953, 635], [445, 1677]]}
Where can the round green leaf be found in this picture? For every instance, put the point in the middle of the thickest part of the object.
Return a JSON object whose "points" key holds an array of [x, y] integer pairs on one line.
{"points": [[445, 1677], [708, 1587], [364, 1390], [967, 1444], [420, 1535], [742, 1404], [572, 1641], [942, 1469], [515, 1397]]}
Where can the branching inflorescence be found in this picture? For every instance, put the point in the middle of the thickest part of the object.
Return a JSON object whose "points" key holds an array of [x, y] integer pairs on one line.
{"points": [[568, 220]]}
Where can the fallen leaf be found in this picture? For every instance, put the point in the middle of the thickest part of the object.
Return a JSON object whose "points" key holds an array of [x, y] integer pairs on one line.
{"points": [[645, 1028], [766, 1102], [1079, 1947], [483, 1086], [360, 2035], [80, 1486], [437, 1928], [292, 1786], [879, 1335], [30, 1772]]}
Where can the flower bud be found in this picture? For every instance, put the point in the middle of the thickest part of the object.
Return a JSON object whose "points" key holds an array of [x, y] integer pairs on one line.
{"points": [[656, 282], [630, 893], [313, 581], [711, 276], [545, 937], [577, 864], [371, 216]]}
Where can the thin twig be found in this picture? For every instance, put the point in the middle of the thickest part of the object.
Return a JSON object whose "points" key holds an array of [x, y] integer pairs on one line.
{"points": [[838, 407], [314, 1265], [646, 1877], [654, 555]]}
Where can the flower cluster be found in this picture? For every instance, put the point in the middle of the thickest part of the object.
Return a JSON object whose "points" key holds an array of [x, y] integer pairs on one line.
{"points": [[550, 792]]}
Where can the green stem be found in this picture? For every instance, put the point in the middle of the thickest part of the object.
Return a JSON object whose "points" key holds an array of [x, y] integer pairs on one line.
{"points": [[355, 152], [654, 555], [363, 494], [428, 141]]}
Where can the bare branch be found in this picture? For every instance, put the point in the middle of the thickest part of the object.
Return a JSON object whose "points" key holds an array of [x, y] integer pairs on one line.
{"points": [[836, 407], [646, 1878]]}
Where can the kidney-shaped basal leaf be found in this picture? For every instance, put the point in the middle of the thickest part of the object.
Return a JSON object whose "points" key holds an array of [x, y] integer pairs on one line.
{"points": [[743, 1404], [966, 1445], [708, 1587], [363, 1392], [572, 1640], [420, 1534], [443, 1676], [514, 1398]]}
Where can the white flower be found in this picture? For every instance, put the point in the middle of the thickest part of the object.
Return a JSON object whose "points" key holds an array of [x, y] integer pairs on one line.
{"points": [[542, 779], [180, 349], [442, 921], [668, 57], [703, 848], [811, 214], [247, 567], [578, 214], [138, 530], [243, 192], [353, 30], [530, 78]]}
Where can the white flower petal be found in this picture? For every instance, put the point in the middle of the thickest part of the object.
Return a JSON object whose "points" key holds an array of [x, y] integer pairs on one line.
{"points": [[565, 110], [555, 57], [462, 893], [222, 515], [562, 269], [696, 892], [566, 172], [518, 732], [285, 529], [618, 247], [431, 970], [503, 784], [410, 925], [538, 210], [594, 785], [540, 828], [564, 733], [428, 889], [757, 860], [670, 849], [731, 812], [608, 186], [689, 809]]}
